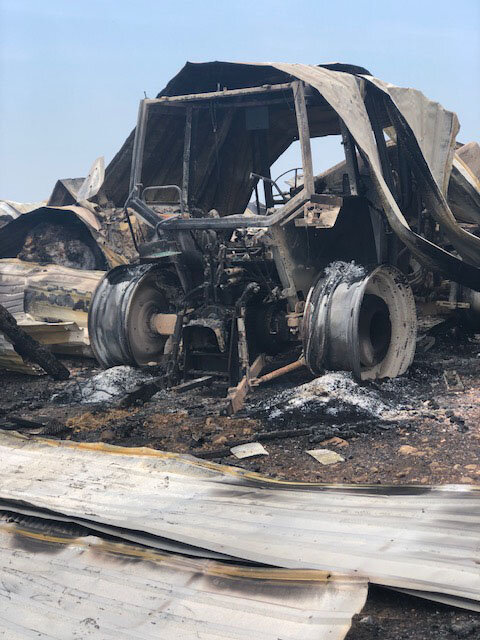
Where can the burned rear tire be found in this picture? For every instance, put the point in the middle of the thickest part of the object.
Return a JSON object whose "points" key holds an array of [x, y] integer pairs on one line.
{"points": [[121, 312], [360, 322]]}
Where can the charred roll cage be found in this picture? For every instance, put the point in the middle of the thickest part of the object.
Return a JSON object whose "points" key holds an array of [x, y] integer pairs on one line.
{"points": [[320, 279]]}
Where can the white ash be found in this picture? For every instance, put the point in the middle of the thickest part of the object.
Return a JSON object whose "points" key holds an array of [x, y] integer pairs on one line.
{"points": [[104, 387], [349, 270], [332, 394]]}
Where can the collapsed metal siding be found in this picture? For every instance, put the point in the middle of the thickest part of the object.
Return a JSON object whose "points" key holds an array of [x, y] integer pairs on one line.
{"points": [[60, 292], [464, 191], [81, 221], [36, 294], [434, 127], [422, 538], [63, 585], [343, 92]]}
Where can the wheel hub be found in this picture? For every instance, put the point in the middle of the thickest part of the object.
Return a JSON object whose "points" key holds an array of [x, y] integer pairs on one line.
{"points": [[123, 311], [360, 322]]}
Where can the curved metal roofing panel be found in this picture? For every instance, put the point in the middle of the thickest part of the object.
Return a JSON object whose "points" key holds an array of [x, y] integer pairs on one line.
{"points": [[423, 538], [59, 584]]}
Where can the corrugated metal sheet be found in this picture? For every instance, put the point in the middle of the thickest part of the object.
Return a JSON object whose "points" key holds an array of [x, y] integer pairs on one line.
{"points": [[81, 222], [58, 584], [15, 209], [422, 538], [342, 92], [50, 302], [61, 337], [464, 191], [469, 154], [428, 131], [49, 290], [434, 127], [130, 535]]}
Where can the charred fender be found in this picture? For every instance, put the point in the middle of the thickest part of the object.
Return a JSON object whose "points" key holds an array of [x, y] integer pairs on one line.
{"points": [[360, 322]]}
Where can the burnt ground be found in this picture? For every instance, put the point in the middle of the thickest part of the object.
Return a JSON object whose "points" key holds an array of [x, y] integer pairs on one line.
{"points": [[411, 430]]}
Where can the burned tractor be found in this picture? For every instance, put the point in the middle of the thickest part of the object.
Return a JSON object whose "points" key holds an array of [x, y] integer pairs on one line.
{"points": [[324, 273]]}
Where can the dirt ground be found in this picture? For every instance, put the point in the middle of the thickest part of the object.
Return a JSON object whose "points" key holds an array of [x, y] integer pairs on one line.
{"points": [[411, 430]]}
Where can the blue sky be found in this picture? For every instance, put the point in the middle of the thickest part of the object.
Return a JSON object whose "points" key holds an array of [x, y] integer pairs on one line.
{"points": [[72, 72]]}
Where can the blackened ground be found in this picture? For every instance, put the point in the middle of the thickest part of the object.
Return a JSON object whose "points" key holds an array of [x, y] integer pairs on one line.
{"points": [[412, 430], [389, 615]]}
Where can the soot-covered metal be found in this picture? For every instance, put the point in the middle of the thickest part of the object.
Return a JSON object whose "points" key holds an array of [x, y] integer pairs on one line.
{"points": [[331, 268]]}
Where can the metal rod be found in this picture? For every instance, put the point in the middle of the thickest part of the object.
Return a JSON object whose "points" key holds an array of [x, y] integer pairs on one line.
{"points": [[350, 159], [372, 110], [210, 161], [304, 136], [132, 233], [288, 368], [187, 145], [138, 145], [192, 97], [227, 222]]}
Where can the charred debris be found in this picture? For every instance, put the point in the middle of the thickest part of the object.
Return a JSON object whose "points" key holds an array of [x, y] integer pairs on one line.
{"points": [[331, 273], [232, 310]]}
